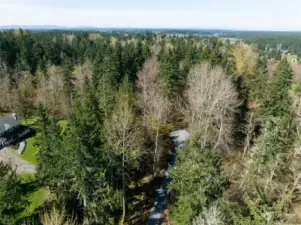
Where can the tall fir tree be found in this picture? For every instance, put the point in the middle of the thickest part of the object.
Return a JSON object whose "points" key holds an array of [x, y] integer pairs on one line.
{"points": [[257, 81], [171, 74], [10, 195], [89, 162], [52, 165], [68, 82], [277, 102], [197, 181]]}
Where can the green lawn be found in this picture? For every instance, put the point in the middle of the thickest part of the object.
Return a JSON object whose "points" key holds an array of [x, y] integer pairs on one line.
{"points": [[29, 121], [33, 196], [290, 58], [26, 178], [30, 152], [35, 200]]}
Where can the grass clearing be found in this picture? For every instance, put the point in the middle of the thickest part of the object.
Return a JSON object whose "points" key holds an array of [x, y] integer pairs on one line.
{"points": [[26, 178], [33, 195], [30, 152], [290, 58], [29, 121], [35, 200]]}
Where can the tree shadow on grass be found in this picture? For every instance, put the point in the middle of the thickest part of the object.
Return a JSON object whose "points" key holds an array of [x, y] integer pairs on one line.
{"points": [[140, 207], [27, 188]]}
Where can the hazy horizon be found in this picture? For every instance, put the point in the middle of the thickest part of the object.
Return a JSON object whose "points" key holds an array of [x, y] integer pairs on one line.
{"points": [[215, 14], [63, 27]]}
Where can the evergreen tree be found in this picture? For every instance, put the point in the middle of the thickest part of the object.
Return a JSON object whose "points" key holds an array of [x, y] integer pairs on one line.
{"points": [[89, 161], [131, 61], [8, 49], [108, 84], [277, 102], [110, 72], [205, 54], [216, 57], [257, 81], [146, 52], [197, 181], [173, 78], [117, 58], [139, 55], [68, 82], [191, 56], [97, 70], [278, 55], [51, 153], [10, 195]]}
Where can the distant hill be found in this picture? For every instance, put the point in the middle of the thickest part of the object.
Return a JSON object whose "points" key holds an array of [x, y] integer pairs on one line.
{"points": [[25, 27], [45, 27], [91, 28]]}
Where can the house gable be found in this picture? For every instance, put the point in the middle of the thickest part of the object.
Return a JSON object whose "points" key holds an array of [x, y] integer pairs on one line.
{"points": [[11, 131], [7, 124]]}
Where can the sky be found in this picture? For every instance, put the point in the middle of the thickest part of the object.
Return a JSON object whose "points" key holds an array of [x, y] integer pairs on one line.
{"points": [[203, 14]]}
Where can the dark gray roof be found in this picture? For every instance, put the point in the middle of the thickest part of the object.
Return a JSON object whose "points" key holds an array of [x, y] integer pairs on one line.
{"points": [[7, 122]]}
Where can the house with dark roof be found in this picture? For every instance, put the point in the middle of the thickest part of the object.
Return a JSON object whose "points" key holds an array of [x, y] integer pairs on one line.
{"points": [[11, 132]]}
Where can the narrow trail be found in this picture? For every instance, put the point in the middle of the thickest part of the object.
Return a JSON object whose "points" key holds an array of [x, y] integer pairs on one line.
{"points": [[178, 138]]}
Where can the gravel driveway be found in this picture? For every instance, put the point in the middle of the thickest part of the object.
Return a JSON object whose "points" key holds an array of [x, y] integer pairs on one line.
{"points": [[21, 166], [178, 138]]}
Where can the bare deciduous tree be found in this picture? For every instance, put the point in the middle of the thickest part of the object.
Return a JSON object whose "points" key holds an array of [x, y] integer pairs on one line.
{"points": [[24, 95], [245, 58], [249, 131], [50, 91], [5, 96], [152, 99], [82, 71], [211, 103], [211, 216], [14, 97], [56, 217], [124, 136]]}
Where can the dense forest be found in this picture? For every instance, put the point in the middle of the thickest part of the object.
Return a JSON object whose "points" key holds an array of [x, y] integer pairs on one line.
{"points": [[271, 43], [120, 94]]}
